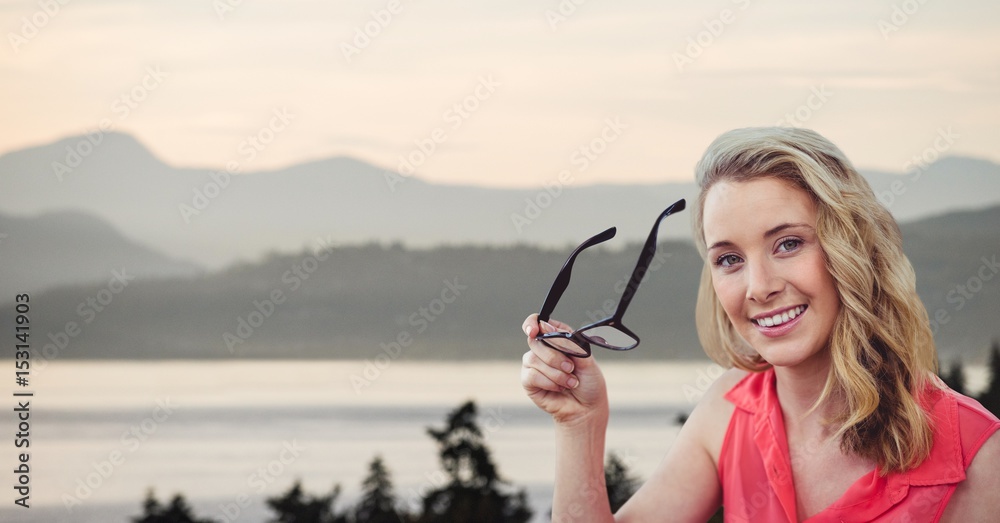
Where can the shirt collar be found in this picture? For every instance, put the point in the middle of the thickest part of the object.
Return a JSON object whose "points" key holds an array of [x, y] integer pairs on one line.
{"points": [[871, 494], [756, 394]]}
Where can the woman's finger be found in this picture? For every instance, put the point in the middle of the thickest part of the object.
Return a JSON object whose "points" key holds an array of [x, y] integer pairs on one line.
{"points": [[534, 380], [555, 374], [562, 327], [554, 358], [555, 351], [530, 326]]}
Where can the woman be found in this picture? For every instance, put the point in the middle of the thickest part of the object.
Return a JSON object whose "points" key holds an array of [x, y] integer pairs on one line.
{"points": [[831, 410]]}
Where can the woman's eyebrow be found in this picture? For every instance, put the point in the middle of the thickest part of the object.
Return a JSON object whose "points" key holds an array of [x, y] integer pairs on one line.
{"points": [[767, 234], [777, 229], [724, 243]]}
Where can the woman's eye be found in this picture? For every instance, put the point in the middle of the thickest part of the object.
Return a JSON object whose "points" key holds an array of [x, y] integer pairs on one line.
{"points": [[789, 245], [727, 260]]}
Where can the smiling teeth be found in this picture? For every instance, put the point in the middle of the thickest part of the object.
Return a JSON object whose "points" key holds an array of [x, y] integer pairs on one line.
{"points": [[778, 319]]}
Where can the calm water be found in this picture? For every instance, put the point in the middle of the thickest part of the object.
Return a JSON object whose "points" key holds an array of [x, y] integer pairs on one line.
{"points": [[103, 433]]}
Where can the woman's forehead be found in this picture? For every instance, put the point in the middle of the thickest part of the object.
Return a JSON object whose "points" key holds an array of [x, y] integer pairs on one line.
{"points": [[736, 209]]}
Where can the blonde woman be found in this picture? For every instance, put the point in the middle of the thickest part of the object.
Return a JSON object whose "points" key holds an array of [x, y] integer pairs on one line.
{"points": [[830, 410]]}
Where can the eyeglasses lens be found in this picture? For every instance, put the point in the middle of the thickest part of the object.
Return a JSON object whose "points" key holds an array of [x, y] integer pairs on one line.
{"points": [[611, 337], [565, 345]]}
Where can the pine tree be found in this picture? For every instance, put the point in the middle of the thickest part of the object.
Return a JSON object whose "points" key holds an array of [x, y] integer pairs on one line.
{"points": [[990, 398], [377, 504], [151, 508], [177, 511], [475, 492], [620, 483], [955, 377], [297, 507]]}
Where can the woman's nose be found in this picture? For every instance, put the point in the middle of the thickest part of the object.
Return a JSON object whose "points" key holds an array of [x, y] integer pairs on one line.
{"points": [[762, 281]]}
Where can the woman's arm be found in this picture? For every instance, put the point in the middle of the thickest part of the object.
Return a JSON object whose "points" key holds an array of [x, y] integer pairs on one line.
{"points": [[976, 499], [573, 392], [580, 491], [685, 487]]}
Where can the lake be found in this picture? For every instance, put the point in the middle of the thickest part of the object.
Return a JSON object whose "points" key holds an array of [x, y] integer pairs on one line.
{"points": [[229, 434]]}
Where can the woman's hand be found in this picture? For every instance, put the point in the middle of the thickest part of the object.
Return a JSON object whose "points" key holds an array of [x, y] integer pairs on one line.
{"points": [[571, 390]]}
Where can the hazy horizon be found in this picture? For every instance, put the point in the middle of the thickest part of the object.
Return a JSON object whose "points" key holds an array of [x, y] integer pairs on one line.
{"points": [[536, 184], [501, 95]]}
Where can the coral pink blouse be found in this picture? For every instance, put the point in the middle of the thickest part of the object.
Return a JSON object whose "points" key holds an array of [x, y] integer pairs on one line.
{"points": [[756, 475]]}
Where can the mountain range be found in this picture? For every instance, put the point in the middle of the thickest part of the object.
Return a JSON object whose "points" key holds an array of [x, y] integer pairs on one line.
{"points": [[338, 258], [214, 218], [73, 247], [381, 302]]}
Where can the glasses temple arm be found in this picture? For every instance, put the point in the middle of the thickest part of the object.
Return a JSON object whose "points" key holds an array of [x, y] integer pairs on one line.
{"points": [[645, 258], [562, 279]]}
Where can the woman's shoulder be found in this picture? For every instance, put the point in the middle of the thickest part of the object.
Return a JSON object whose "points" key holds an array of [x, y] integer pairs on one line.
{"points": [[975, 498], [714, 402], [976, 426], [739, 388], [723, 384], [710, 418], [974, 433], [960, 417], [971, 411]]}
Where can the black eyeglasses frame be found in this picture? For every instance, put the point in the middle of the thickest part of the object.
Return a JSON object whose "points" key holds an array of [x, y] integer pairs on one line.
{"points": [[580, 337]]}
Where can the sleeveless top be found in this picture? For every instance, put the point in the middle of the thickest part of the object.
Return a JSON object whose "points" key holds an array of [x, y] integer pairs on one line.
{"points": [[756, 476]]}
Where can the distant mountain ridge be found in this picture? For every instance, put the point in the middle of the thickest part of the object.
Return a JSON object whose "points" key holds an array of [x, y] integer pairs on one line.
{"points": [[242, 216], [466, 302], [67, 248]]}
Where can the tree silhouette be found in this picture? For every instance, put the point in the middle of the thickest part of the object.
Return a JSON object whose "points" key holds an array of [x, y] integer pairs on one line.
{"points": [[990, 398], [177, 511], [620, 483], [475, 492], [954, 378], [377, 504], [297, 507]]}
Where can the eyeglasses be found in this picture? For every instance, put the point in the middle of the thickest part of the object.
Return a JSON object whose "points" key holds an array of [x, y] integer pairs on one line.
{"points": [[609, 333]]}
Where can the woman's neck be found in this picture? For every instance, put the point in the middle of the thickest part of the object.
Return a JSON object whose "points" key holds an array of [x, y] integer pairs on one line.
{"points": [[798, 389]]}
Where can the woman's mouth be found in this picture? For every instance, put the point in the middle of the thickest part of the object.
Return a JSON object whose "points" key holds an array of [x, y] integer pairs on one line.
{"points": [[779, 324], [778, 319]]}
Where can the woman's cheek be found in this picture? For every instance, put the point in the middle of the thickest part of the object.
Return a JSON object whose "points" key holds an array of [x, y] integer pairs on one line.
{"points": [[728, 296]]}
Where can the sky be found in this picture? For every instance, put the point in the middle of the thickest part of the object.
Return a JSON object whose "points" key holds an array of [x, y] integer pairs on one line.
{"points": [[503, 94]]}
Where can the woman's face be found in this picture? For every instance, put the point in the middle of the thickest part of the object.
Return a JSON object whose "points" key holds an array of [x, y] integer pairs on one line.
{"points": [[769, 270]]}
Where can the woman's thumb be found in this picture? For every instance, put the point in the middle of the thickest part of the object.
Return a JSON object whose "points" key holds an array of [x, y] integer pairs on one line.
{"points": [[547, 327]]}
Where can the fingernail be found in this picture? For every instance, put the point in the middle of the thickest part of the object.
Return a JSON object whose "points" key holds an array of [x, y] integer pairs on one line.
{"points": [[567, 366], [573, 382]]}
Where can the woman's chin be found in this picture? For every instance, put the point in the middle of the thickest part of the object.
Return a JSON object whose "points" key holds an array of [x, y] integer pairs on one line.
{"points": [[786, 354]]}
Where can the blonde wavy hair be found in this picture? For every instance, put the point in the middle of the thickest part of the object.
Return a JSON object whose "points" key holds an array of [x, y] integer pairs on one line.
{"points": [[881, 345]]}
